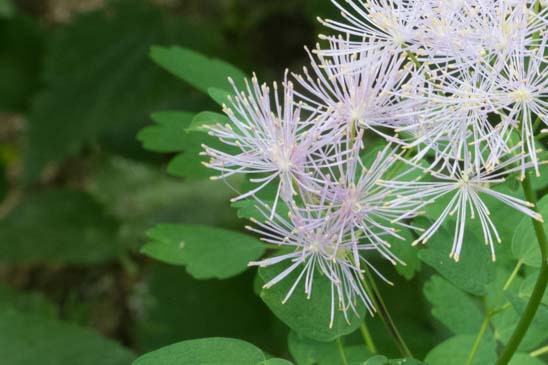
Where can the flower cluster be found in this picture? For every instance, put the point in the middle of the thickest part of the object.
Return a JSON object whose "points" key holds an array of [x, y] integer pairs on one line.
{"points": [[457, 90]]}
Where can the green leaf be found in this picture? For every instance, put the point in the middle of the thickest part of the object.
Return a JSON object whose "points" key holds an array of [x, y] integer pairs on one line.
{"points": [[308, 317], [528, 285], [525, 359], [221, 351], [455, 351], [540, 320], [383, 360], [452, 307], [169, 134], [190, 164], [207, 252], [21, 58], [31, 339], [407, 253], [220, 96], [204, 119], [67, 227], [474, 270], [525, 246], [109, 80], [504, 323], [309, 352], [354, 355], [198, 70]]}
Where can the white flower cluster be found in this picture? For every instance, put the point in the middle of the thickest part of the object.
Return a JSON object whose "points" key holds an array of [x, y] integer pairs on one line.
{"points": [[457, 88]]}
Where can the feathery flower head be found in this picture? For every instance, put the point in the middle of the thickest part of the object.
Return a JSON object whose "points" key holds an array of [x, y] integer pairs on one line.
{"points": [[361, 96], [465, 183], [317, 242], [273, 139]]}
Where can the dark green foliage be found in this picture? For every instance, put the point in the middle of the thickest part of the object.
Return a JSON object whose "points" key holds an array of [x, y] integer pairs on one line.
{"points": [[110, 82], [95, 107], [67, 227], [21, 49]]}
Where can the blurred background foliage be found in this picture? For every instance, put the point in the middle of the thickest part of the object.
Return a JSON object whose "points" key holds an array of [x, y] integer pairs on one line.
{"points": [[79, 191]]}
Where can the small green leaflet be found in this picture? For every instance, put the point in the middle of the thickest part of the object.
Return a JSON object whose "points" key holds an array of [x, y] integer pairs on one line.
{"points": [[452, 307], [169, 132], [407, 253], [474, 270], [524, 243], [198, 70], [218, 351], [207, 252], [307, 317]]}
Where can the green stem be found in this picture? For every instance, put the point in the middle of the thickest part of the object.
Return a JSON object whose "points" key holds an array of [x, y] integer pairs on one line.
{"points": [[539, 352], [368, 339], [341, 351], [483, 329], [513, 275], [540, 286], [382, 310]]}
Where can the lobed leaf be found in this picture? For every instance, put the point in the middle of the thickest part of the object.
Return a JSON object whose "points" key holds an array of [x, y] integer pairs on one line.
{"points": [[472, 273], [452, 307], [456, 350], [207, 252], [198, 70]]}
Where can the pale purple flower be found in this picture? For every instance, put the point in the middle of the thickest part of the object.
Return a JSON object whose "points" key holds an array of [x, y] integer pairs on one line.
{"points": [[274, 140], [315, 242], [364, 207]]}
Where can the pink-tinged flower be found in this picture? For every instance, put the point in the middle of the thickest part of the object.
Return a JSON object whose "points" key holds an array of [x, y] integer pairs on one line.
{"points": [[360, 97], [316, 242], [363, 207], [275, 141], [465, 184], [336, 230]]}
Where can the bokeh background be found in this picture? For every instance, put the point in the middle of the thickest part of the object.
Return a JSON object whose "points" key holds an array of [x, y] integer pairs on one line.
{"points": [[78, 192]]}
